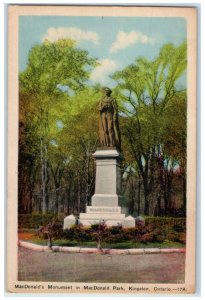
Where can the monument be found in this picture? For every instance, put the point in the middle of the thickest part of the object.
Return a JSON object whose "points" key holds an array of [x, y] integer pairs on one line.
{"points": [[104, 204]]}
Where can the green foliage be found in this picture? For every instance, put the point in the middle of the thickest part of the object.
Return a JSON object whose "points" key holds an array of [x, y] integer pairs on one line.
{"points": [[154, 125], [51, 231], [52, 64], [100, 233], [79, 123], [37, 220], [78, 233], [59, 131], [155, 230], [171, 229], [49, 87], [178, 224]]}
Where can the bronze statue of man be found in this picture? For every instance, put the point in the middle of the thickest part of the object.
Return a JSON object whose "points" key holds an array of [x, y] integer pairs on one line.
{"points": [[108, 121]]}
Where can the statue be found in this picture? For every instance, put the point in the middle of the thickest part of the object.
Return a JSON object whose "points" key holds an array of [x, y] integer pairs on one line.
{"points": [[108, 122]]}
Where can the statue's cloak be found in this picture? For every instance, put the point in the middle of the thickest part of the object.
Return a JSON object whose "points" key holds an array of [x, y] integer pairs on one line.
{"points": [[104, 139]]}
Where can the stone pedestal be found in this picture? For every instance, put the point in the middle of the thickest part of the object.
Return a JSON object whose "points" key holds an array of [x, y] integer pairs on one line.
{"points": [[108, 178], [107, 192]]}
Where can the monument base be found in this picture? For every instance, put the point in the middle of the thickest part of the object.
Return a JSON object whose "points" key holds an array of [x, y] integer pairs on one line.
{"points": [[112, 216], [104, 204]]}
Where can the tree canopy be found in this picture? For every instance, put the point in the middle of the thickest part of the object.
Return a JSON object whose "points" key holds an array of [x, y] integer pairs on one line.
{"points": [[58, 130]]}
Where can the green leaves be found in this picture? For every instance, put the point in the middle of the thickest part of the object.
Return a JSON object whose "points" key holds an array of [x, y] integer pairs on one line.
{"points": [[154, 126], [52, 70], [146, 87], [50, 64], [59, 118]]}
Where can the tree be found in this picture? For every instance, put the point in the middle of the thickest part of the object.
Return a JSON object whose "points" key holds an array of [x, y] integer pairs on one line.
{"points": [[59, 131], [175, 136], [52, 68], [147, 89], [80, 137]]}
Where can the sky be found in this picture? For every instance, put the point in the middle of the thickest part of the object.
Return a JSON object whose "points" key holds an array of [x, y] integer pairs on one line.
{"points": [[115, 41]]}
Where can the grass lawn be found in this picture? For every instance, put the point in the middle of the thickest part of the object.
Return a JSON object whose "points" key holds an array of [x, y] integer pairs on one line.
{"points": [[31, 236]]}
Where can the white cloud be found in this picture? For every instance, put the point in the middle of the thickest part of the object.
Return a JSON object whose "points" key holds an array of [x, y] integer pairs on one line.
{"points": [[124, 40], [101, 73], [54, 34]]}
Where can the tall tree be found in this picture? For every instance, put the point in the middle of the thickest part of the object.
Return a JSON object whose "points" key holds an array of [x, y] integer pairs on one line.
{"points": [[52, 68], [146, 89], [80, 137]]}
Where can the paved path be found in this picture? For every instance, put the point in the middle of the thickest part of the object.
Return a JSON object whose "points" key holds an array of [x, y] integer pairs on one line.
{"points": [[82, 267]]}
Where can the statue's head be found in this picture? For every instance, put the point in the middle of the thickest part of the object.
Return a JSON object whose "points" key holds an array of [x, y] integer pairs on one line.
{"points": [[106, 91]]}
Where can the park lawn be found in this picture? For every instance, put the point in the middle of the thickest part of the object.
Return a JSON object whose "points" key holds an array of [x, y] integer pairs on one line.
{"points": [[31, 237], [120, 245]]}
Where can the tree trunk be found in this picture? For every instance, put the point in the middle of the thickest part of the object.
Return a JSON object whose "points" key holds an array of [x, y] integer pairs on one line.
{"points": [[146, 192], [78, 195], [43, 182], [57, 198], [132, 191], [184, 193], [46, 177], [139, 196], [99, 244], [69, 196], [50, 242], [159, 207], [146, 206]]}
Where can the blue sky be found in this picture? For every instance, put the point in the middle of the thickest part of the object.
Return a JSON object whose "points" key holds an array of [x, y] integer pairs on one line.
{"points": [[115, 41]]}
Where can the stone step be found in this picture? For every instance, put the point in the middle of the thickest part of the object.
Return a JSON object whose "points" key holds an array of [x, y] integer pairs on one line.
{"points": [[109, 223]]}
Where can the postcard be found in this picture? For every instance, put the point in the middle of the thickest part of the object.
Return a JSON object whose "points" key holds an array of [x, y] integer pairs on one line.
{"points": [[101, 149]]}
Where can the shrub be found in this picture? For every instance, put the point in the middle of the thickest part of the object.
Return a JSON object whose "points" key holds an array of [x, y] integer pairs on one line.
{"points": [[134, 234], [100, 233], [181, 238], [51, 232], [115, 229], [146, 238], [155, 230], [166, 228], [36, 220], [79, 233], [54, 229]]}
